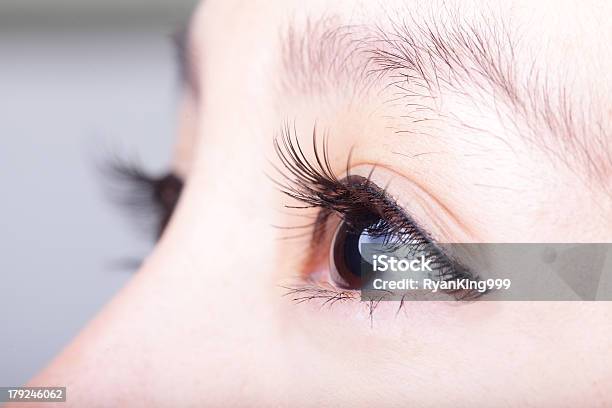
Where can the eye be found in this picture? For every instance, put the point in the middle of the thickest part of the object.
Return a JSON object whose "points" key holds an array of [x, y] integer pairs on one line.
{"points": [[374, 225], [352, 213], [368, 220]]}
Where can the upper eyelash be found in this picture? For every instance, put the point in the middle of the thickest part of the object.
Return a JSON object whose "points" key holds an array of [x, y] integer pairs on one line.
{"points": [[151, 199], [315, 184]]}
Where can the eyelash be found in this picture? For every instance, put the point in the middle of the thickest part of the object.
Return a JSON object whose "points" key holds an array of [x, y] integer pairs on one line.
{"points": [[315, 185], [151, 200]]}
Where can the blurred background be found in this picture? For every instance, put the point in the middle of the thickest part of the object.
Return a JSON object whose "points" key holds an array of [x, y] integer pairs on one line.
{"points": [[79, 79]]}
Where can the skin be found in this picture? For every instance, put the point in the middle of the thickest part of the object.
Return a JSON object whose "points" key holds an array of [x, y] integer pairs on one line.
{"points": [[205, 323]]}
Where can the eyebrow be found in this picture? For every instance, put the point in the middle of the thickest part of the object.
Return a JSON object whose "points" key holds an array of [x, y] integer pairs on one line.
{"points": [[475, 59]]}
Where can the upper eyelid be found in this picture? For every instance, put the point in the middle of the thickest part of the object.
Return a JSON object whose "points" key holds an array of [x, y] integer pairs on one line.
{"points": [[316, 185]]}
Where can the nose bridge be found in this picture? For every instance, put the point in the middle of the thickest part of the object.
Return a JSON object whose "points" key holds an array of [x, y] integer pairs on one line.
{"points": [[225, 227], [236, 257], [231, 196], [229, 199], [226, 222]]}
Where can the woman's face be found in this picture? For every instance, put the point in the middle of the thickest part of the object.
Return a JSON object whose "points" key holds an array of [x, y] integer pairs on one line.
{"points": [[484, 122]]}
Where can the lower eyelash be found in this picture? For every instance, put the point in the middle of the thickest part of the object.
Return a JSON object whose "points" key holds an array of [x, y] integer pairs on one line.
{"points": [[307, 292]]}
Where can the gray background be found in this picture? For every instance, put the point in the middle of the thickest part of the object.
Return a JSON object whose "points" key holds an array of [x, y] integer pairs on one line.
{"points": [[78, 80]]}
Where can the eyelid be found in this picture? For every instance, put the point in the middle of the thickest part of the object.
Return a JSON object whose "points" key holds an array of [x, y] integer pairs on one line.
{"points": [[309, 179], [424, 208]]}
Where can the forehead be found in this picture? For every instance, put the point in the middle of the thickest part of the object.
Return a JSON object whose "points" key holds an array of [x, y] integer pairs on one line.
{"points": [[547, 61], [576, 26], [568, 39]]}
